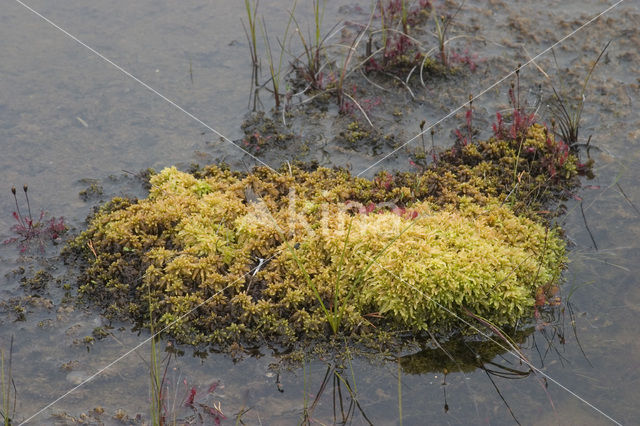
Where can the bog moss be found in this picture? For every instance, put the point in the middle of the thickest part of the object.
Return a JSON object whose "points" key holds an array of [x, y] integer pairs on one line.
{"points": [[472, 238]]}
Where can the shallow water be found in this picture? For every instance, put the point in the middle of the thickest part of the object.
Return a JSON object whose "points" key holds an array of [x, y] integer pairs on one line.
{"points": [[66, 115]]}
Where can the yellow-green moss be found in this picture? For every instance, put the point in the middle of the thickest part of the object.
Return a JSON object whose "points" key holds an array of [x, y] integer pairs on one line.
{"points": [[485, 259], [354, 133], [196, 239]]}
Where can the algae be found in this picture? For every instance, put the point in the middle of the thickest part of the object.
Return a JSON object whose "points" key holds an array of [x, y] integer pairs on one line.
{"points": [[210, 254]]}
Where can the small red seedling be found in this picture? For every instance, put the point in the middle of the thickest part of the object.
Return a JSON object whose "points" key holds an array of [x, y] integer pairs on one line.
{"points": [[32, 231]]}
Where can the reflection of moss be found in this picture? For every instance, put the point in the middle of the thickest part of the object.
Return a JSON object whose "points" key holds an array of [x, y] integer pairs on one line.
{"points": [[195, 241], [467, 355]]}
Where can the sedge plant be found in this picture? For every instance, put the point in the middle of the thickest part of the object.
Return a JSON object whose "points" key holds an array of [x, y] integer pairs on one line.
{"points": [[250, 33], [383, 26], [275, 71], [567, 114], [313, 46], [443, 24], [313, 52], [341, 94], [405, 22]]}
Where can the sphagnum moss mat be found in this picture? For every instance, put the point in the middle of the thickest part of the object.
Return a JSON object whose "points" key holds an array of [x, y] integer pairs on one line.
{"points": [[468, 234]]}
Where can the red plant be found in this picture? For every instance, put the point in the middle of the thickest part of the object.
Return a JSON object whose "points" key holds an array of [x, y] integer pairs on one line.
{"points": [[384, 207], [520, 120], [192, 394], [397, 45], [384, 180], [557, 156], [369, 103], [255, 141], [405, 213], [347, 107], [499, 130], [30, 231], [545, 295], [214, 410], [464, 58], [393, 10], [465, 139], [322, 81], [368, 208], [372, 65]]}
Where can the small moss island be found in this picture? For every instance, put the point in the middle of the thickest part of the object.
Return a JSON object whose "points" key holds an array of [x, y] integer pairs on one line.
{"points": [[225, 258]]}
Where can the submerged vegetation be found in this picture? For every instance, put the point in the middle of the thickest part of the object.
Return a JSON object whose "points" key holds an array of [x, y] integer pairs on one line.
{"points": [[8, 386], [220, 257]]}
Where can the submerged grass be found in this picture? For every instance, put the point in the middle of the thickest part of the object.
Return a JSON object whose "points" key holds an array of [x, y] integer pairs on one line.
{"points": [[276, 72], [8, 387], [346, 405], [251, 10], [157, 378]]}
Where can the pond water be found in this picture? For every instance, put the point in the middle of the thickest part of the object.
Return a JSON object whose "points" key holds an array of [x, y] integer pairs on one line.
{"points": [[69, 119]]}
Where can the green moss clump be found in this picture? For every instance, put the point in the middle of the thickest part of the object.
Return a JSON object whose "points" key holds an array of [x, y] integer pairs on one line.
{"points": [[354, 133], [187, 254], [484, 259]]}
